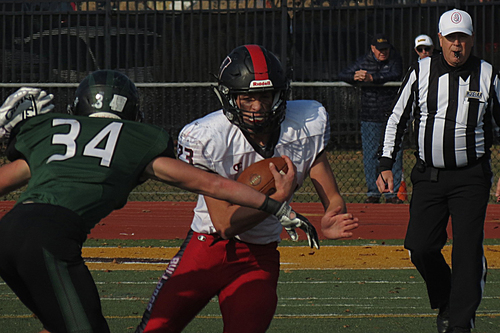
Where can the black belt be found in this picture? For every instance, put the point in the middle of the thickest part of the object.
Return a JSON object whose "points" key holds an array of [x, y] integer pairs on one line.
{"points": [[421, 166]]}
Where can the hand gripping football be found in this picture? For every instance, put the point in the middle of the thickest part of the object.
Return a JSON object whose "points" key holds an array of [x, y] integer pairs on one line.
{"points": [[259, 177]]}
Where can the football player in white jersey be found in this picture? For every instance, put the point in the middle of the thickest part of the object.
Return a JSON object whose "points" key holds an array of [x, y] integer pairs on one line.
{"points": [[231, 251]]}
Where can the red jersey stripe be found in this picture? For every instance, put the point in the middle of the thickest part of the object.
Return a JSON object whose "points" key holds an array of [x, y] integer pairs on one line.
{"points": [[259, 62]]}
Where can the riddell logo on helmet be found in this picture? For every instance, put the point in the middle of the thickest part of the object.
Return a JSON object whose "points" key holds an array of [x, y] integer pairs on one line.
{"points": [[262, 83]]}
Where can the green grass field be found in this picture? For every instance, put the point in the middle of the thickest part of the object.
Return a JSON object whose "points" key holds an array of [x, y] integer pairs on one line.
{"points": [[312, 301]]}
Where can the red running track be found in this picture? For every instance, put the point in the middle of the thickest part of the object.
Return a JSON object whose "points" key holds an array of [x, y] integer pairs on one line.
{"points": [[171, 220]]}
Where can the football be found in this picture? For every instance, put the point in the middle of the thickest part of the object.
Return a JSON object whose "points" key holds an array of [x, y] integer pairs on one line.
{"points": [[259, 177]]}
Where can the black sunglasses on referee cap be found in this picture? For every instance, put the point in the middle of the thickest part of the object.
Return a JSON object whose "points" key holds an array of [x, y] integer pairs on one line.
{"points": [[422, 48]]}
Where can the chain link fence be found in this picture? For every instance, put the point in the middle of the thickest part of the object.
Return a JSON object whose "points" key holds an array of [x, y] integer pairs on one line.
{"points": [[171, 48]]}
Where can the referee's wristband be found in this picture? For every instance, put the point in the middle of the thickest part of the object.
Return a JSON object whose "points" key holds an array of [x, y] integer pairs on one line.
{"points": [[270, 206]]}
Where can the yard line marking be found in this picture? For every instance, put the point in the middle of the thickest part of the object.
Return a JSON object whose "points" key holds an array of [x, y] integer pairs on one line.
{"points": [[283, 282], [373, 315], [343, 305], [292, 257], [12, 296], [296, 316], [350, 282]]}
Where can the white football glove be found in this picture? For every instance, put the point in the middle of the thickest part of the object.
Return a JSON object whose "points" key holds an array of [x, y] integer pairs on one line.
{"points": [[24, 103], [299, 221]]}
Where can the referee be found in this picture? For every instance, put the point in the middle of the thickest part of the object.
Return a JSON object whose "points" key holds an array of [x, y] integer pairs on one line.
{"points": [[453, 98]]}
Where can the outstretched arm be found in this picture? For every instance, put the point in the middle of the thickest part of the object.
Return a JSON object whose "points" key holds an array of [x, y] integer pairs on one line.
{"points": [[24, 103], [336, 223], [13, 176], [183, 175]]}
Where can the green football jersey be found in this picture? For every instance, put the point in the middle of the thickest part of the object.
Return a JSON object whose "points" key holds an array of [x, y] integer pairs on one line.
{"points": [[88, 165]]}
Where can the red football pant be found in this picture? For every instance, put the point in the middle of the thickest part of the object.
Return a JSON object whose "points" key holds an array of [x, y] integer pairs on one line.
{"points": [[243, 275]]}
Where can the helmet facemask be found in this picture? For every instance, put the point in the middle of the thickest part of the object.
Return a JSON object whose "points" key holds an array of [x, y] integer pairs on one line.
{"points": [[261, 122]]}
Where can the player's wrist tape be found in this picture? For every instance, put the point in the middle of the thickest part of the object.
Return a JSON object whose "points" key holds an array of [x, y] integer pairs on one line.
{"points": [[270, 206]]}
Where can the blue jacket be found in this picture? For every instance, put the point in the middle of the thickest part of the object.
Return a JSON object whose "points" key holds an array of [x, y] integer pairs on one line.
{"points": [[376, 102]]}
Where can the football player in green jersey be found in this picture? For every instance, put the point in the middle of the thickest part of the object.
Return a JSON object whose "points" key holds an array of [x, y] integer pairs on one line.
{"points": [[79, 168]]}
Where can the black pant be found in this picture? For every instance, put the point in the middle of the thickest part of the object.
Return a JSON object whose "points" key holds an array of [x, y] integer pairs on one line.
{"points": [[41, 261], [462, 194]]}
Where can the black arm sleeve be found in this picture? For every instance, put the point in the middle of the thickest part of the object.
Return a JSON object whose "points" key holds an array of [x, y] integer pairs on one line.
{"points": [[11, 152], [169, 151]]}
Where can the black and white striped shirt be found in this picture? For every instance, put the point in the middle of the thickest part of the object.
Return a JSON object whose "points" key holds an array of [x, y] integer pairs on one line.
{"points": [[454, 111]]}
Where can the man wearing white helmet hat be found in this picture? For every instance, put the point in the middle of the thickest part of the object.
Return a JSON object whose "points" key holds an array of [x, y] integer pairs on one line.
{"points": [[454, 98], [424, 46]]}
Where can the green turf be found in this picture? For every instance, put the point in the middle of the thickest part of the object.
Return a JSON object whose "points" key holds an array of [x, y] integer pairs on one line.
{"points": [[361, 301]]}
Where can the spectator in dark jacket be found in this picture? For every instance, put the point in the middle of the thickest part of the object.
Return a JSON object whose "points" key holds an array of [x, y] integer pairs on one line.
{"points": [[381, 64]]}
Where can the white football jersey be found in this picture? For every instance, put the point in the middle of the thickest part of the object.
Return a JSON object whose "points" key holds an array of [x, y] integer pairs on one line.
{"points": [[213, 143]]}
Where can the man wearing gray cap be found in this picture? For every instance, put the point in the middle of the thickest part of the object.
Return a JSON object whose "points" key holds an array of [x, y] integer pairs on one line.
{"points": [[454, 98], [381, 64]]}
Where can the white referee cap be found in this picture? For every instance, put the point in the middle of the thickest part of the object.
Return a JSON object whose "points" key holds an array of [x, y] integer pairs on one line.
{"points": [[423, 40], [455, 20]]}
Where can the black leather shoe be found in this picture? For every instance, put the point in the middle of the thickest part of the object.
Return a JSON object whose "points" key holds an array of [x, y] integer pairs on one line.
{"points": [[443, 320], [460, 330], [394, 200], [443, 324], [372, 200]]}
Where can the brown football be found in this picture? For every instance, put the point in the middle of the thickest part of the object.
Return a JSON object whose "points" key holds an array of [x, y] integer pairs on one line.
{"points": [[259, 177]]}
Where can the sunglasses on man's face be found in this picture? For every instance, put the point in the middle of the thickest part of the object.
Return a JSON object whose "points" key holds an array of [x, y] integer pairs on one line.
{"points": [[422, 49]]}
